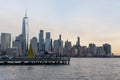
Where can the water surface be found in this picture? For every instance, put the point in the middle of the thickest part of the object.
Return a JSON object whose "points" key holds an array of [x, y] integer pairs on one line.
{"points": [[79, 69]]}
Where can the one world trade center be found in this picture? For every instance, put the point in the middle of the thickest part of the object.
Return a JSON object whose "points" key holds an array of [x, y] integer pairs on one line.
{"points": [[25, 34]]}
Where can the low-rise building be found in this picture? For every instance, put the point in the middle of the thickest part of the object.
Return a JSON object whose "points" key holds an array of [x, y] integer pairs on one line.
{"points": [[12, 52]]}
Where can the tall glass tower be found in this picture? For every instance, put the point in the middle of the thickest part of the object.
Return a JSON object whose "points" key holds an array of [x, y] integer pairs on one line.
{"points": [[47, 42], [25, 34], [41, 40]]}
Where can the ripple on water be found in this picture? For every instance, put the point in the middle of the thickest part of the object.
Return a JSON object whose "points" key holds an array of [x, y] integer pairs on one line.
{"points": [[79, 69]]}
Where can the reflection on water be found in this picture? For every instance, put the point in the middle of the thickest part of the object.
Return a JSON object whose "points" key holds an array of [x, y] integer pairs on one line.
{"points": [[30, 68], [79, 69]]}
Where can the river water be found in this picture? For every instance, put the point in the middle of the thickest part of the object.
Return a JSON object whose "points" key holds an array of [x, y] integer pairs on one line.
{"points": [[79, 69]]}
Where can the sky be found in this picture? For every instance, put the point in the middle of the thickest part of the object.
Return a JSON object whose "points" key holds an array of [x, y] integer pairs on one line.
{"points": [[95, 21]]}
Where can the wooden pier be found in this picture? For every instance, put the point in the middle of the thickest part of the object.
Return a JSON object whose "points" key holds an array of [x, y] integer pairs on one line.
{"points": [[35, 61]]}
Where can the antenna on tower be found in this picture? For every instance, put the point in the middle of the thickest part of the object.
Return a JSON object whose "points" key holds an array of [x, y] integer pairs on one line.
{"points": [[26, 13]]}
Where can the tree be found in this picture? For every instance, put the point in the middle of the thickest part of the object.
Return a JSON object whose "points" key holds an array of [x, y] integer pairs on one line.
{"points": [[30, 52]]}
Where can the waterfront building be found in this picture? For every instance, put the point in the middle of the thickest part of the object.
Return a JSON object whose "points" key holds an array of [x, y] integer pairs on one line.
{"points": [[21, 41], [25, 34], [58, 46], [41, 41], [76, 47], [51, 45], [0, 46], [18, 44], [79, 52], [88, 52], [0, 42], [83, 51], [93, 49], [48, 42], [107, 49], [5, 40], [67, 48], [71, 52], [75, 50], [33, 43], [12, 52], [100, 51], [78, 42]]}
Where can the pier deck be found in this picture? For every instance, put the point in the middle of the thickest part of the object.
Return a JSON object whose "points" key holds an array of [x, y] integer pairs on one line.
{"points": [[35, 61]]}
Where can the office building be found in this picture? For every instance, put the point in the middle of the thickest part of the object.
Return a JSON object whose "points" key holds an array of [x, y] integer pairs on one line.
{"points": [[33, 42], [93, 49], [25, 34], [48, 42], [58, 46], [5, 40], [18, 44], [100, 51], [67, 48], [41, 41], [107, 49], [12, 52], [78, 42]]}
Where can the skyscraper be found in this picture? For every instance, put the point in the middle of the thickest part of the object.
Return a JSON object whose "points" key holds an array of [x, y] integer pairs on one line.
{"points": [[5, 40], [25, 33], [93, 49], [41, 41], [18, 44], [47, 42], [78, 42], [77, 46], [33, 42], [100, 51], [67, 48], [107, 49], [58, 46]]}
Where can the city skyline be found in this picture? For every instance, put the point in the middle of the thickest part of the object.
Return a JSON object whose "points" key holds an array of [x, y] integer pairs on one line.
{"points": [[82, 23], [47, 46]]}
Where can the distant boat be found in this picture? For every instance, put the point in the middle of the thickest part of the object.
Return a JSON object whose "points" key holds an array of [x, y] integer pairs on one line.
{"points": [[30, 53]]}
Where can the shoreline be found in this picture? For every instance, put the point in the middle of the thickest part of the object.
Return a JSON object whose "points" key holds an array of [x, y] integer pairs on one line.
{"points": [[97, 57]]}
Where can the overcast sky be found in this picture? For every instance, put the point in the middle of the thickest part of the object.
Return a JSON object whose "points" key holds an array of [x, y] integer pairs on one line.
{"points": [[95, 21]]}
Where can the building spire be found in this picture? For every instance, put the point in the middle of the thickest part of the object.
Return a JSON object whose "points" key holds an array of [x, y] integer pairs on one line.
{"points": [[26, 13]]}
